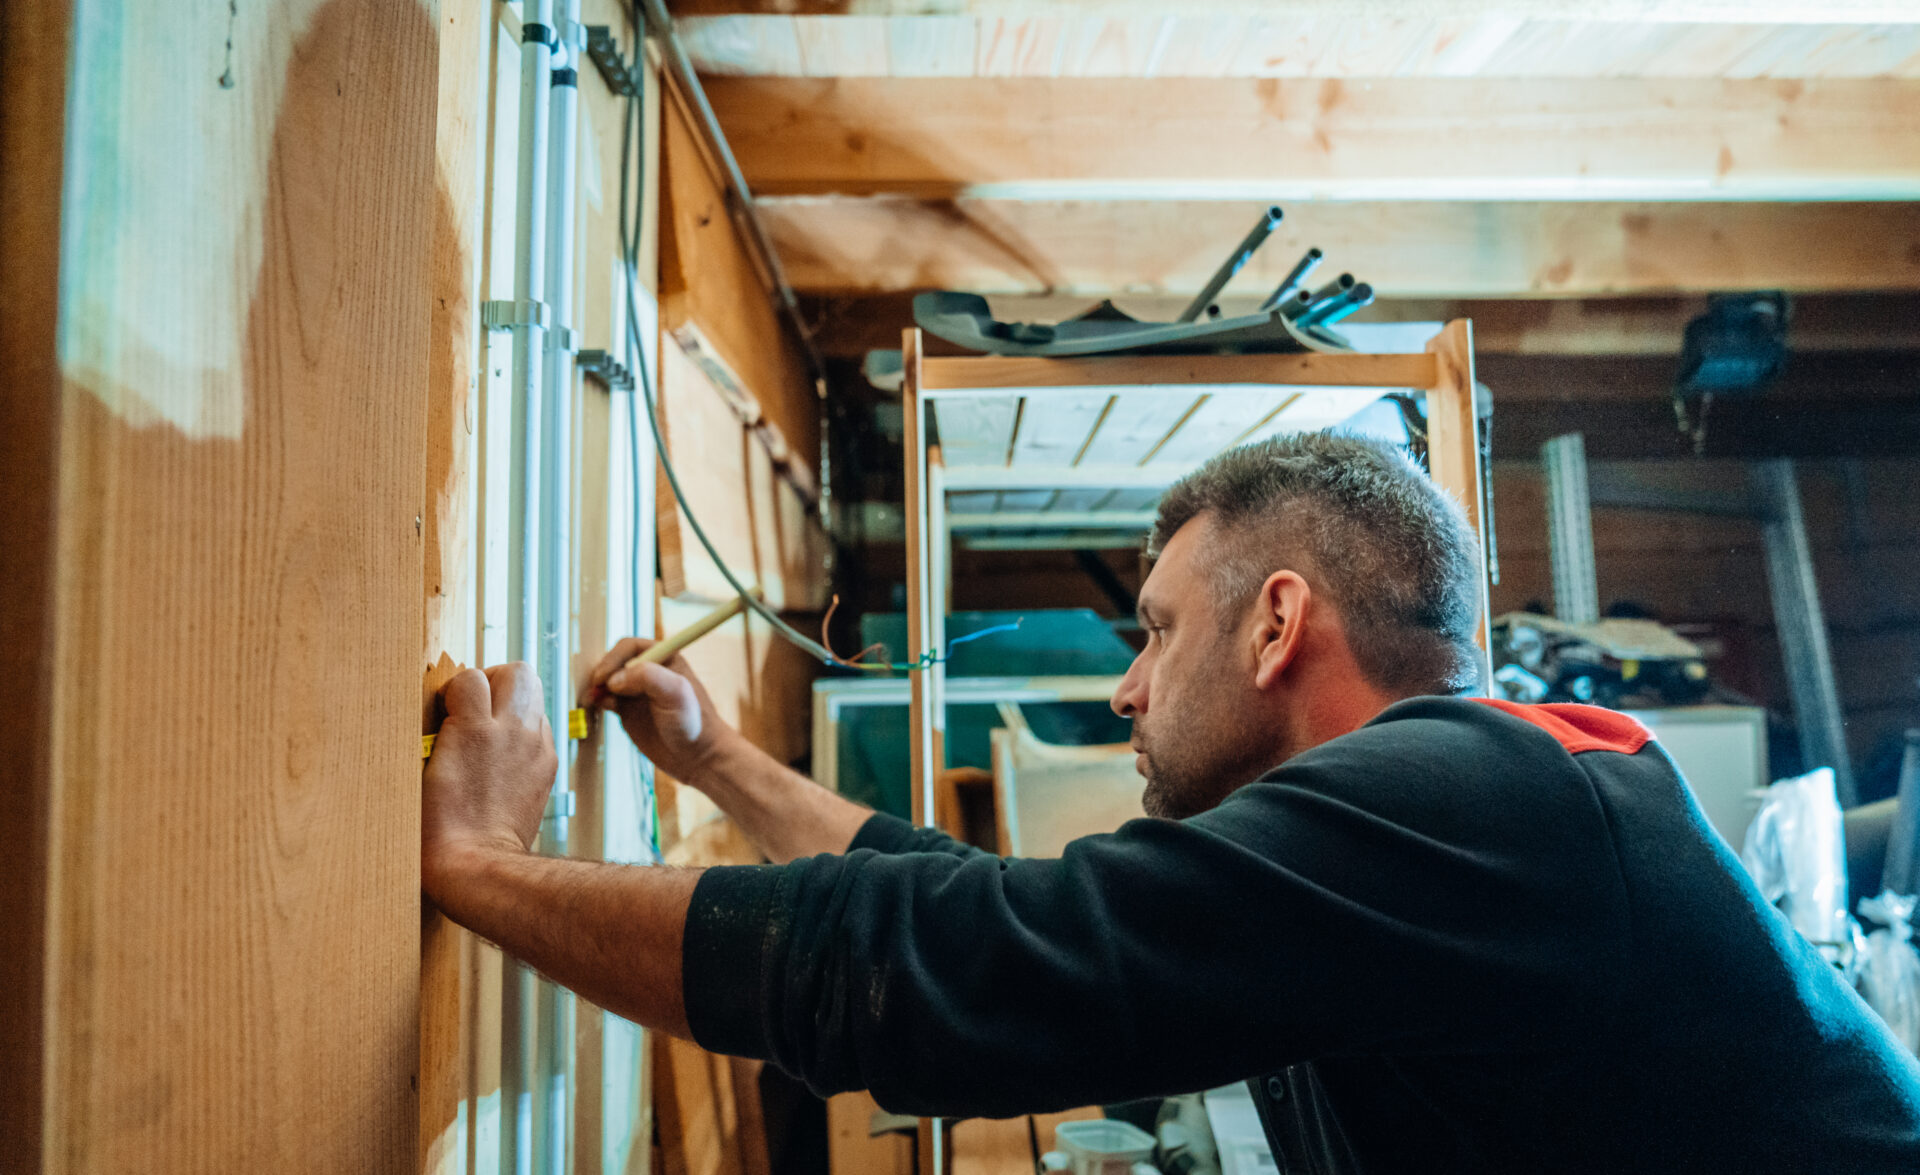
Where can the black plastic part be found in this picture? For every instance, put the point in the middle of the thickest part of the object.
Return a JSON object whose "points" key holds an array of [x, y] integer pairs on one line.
{"points": [[604, 48], [565, 77], [535, 34], [603, 369], [967, 321]]}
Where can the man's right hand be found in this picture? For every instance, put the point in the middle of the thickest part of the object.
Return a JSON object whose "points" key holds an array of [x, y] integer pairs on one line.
{"points": [[666, 711]]}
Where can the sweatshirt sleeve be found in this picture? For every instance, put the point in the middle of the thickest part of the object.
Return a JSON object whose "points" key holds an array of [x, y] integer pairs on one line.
{"points": [[1407, 888], [890, 834]]}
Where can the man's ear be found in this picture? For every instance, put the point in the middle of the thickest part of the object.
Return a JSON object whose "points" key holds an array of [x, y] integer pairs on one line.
{"points": [[1286, 604]]}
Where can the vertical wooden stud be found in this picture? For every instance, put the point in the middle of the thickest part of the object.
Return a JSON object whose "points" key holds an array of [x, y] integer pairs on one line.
{"points": [[450, 531], [1453, 438], [923, 723]]}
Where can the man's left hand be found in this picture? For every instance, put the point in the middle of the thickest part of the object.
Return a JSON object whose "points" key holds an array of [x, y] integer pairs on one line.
{"points": [[493, 764]]}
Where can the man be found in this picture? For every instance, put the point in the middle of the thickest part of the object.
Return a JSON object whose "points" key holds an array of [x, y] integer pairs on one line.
{"points": [[1436, 933]]}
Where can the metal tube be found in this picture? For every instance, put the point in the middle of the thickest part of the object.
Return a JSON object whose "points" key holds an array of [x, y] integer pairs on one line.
{"points": [[1295, 276], [1342, 304], [1269, 220], [1295, 305], [1802, 625], [519, 1028], [553, 1007], [1576, 582], [529, 338], [1332, 289]]}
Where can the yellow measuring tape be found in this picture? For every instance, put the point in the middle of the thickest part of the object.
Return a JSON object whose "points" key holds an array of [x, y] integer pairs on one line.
{"points": [[576, 729]]}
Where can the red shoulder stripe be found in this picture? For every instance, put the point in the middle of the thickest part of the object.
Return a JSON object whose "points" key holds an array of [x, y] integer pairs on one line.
{"points": [[1580, 728]]}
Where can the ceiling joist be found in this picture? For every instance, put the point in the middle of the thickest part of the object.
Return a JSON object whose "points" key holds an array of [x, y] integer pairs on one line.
{"points": [[1291, 140], [1197, 40], [1405, 249]]}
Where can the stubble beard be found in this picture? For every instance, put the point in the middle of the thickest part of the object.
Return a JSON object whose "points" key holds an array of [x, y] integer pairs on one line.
{"points": [[1198, 752]]}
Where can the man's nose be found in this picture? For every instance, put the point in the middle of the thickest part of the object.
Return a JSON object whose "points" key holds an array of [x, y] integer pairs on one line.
{"points": [[1130, 700]]}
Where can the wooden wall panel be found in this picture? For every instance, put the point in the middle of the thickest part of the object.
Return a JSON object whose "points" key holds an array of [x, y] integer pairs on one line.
{"points": [[710, 277], [449, 956], [762, 528], [234, 838], [32, 125]]}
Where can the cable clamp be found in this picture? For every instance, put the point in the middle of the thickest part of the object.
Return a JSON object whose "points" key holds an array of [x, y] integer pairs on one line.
{"points": [[508, 315], [604, 48], [563, 338], [560, 806], [604, 369]]}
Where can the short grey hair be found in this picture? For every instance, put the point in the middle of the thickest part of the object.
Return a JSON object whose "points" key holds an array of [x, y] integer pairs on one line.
{"points": [[1366, 527]]}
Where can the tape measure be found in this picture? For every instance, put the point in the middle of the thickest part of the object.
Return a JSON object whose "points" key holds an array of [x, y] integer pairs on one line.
{"points": [[576, 729]]}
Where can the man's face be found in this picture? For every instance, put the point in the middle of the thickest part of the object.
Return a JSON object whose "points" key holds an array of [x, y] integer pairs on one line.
{"points": [[1190, 692]]}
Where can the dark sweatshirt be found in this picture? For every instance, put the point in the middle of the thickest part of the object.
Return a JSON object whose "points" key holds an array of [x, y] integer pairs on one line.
{"points": [[1469, 936]]}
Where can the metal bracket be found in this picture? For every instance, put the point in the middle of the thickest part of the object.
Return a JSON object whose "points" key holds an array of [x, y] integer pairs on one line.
{"points": [[604, 48], [603, 368], [507, 315]]}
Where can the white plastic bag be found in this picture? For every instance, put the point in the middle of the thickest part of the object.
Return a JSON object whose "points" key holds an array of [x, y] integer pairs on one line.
{"points": [[1798, 856], [1889, 976]]}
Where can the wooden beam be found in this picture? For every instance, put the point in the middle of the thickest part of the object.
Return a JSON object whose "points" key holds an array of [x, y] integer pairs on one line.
{"points": [[1405, 249], [1308, 370], [1304, 139], [1203, 40], [850, 326], [1648, 11]]}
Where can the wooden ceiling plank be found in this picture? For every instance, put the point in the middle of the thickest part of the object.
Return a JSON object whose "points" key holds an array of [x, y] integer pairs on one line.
{"points": [[1663, 12], [1138, 422], [1419, 139], [1063, 43], [1323, 409], [1055, 428], [747, 46], [1405, 249], [1216, 425], [845, 45], [976, 431], [936, 47]]}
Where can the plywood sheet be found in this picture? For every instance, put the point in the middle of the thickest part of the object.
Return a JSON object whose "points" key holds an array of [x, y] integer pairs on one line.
{"points": [[235, 839], [757, 521], [709, 276]]}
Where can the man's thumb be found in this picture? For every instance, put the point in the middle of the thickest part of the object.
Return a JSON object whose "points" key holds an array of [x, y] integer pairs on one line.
{"points": [[467, 693]]}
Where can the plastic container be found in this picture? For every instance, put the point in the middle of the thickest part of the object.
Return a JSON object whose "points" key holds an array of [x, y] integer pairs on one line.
{"points": [[1100, 1146]]}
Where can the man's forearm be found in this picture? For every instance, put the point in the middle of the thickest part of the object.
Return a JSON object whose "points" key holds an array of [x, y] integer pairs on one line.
{"points": [[784, 814], [612, 933]]}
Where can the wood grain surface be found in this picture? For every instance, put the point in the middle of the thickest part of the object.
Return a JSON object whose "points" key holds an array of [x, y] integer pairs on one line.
{"points": [[233, 868], [32, 133]]}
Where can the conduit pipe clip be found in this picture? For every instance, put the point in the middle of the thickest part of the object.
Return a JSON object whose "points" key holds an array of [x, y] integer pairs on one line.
{"points": [[506, 315]]}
